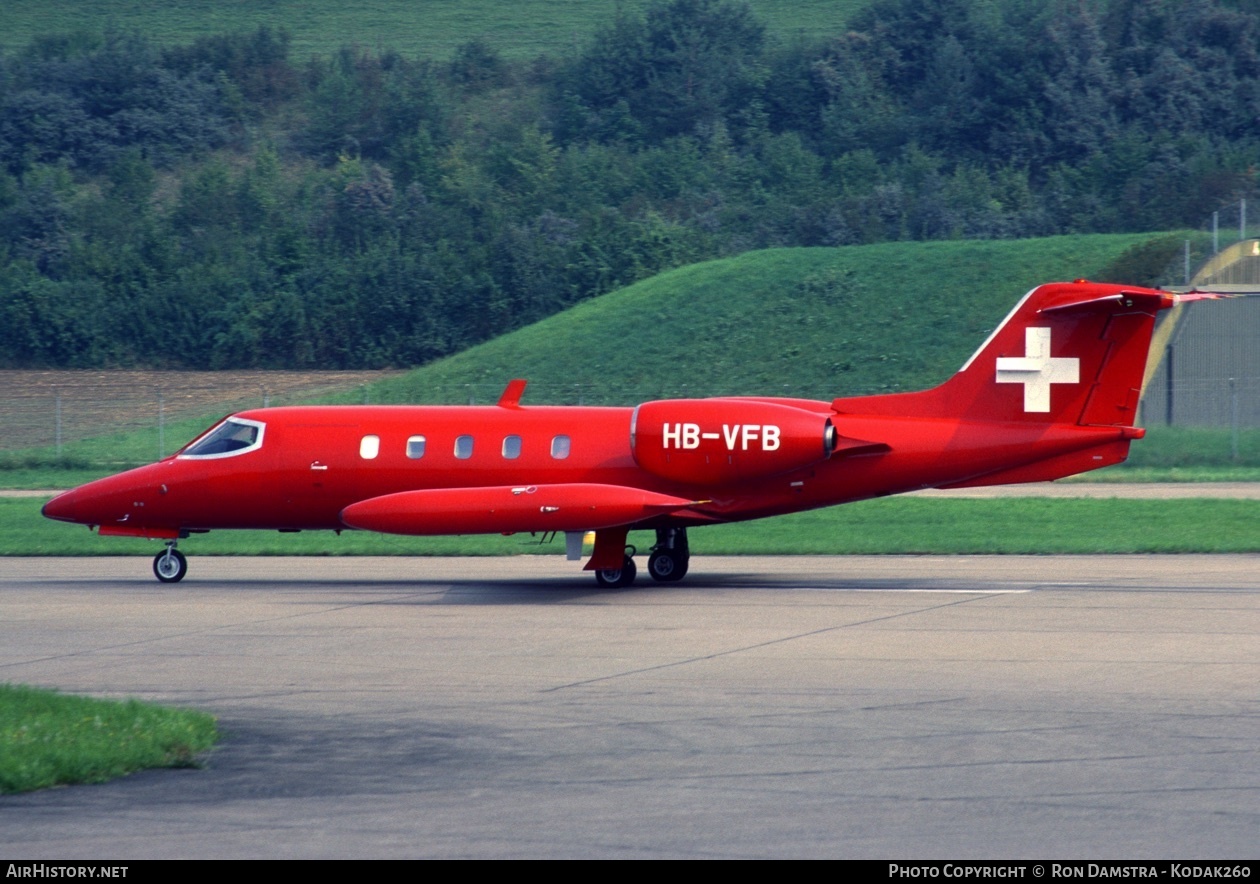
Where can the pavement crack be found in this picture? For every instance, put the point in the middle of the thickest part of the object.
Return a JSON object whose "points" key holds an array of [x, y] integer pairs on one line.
{"points": [[758, 645]]}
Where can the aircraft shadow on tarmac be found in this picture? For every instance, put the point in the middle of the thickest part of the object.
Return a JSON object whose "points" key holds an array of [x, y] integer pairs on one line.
{"points": [[553, 590]]}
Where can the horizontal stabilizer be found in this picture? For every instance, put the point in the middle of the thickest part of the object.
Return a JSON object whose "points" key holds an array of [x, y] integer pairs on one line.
{"points": [[1216, 293], [1139, 299], [507, 509]]}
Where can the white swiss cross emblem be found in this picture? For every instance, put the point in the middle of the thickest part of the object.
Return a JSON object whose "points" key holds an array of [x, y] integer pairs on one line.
{"points": [[1037, 370]]}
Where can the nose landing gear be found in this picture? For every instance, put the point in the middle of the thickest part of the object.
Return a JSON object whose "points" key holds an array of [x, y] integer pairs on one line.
{"points": [[170, 566]]}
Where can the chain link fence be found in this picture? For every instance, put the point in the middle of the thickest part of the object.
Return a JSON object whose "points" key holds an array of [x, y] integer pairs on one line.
{"points": [[55, 410], [1207, 373]]}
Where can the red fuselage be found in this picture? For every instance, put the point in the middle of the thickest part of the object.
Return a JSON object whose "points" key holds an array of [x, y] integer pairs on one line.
{"points": [[1054, 391], [311, 465]]}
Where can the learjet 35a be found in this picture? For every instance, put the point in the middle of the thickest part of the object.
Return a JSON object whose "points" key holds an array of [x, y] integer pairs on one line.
{"points": [[1053, 391]]}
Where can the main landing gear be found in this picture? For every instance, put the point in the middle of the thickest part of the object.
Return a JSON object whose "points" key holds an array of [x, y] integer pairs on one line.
{"points": [[667, 562], [615, 578], [170, 566], [670, 557]]}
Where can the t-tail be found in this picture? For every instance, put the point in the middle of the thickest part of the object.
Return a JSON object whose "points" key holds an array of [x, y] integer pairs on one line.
{"points": [[1053, 391], [1069, 353]]}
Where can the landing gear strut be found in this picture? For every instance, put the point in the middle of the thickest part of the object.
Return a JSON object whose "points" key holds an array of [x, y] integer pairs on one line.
{"points": [[170, 566], [670, 556], [667, 563]]}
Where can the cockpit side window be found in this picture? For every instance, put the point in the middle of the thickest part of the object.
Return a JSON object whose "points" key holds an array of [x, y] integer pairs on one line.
{"points": [[236, 435]]}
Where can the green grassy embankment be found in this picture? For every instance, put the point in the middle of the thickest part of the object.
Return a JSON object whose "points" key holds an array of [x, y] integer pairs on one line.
{"points": [[811, 322], [53, 739]]}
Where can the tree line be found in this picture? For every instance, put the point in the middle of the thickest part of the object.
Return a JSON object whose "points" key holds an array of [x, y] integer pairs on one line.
{"points": [[223, 204]]}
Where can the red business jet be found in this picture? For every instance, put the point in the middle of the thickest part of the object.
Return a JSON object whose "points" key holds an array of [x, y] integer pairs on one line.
{"points": [[1052, 392]]}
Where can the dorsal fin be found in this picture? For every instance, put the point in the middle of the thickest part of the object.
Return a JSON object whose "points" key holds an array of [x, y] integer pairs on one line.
{"points": [[512, 393]]}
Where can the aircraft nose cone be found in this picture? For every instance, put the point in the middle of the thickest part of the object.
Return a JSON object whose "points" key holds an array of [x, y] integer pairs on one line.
{"points": [[61, 507]]}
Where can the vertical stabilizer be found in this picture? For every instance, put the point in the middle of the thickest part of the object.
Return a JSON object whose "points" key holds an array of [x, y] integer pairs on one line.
{"points": [[1069, 353]]}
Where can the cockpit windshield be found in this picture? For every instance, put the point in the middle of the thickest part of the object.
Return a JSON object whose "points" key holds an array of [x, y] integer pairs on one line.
{"points": [[234, 436]]}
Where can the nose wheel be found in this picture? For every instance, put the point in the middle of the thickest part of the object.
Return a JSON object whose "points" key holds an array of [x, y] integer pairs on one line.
{"points": [[170, 566]]}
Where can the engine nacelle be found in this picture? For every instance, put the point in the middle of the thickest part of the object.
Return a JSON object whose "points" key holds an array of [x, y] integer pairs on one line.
{"points": [[719, 441]]}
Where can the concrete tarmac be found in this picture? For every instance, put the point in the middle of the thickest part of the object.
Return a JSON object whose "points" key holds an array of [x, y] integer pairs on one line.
{"points": [[893, 707]]}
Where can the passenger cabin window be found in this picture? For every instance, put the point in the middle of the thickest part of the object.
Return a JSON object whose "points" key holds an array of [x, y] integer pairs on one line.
{"points": [[559, 447], [511, 447], [415, 447], [464, 447], [234, 436], [369, 447]]}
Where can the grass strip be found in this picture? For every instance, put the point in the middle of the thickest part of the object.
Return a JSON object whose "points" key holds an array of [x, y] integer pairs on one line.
{"points": [[53, 739], [909, 525], [897, 525]]}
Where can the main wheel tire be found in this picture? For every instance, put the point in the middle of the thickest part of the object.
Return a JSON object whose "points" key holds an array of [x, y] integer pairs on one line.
{"points": [[170, 566], [667, 565], [616, 578]]}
